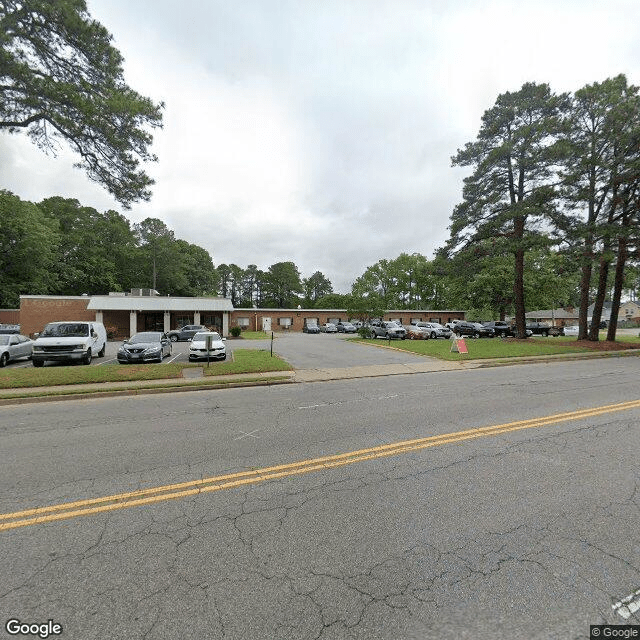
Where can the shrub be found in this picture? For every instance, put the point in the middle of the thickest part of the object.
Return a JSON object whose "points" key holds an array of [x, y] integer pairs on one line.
{"points": [[236, 331], [365, 332], [112, 332]]}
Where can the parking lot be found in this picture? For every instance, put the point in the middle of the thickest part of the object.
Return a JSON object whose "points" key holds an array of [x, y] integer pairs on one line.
{"points": [[180, 353]]}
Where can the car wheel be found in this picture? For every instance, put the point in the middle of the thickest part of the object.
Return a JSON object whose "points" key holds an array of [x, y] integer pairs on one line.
{"points": [[544, 334], [412, 336], [37, 363], [4, 358], [102, 351], [503, 334], [87, 357], [174, 338], [476, 335], [433, 335]]}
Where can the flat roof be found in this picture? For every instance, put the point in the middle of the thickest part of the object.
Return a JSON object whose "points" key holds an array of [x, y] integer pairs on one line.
{"points": [[158, 303]]}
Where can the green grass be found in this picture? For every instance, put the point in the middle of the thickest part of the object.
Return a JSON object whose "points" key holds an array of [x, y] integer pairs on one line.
{"points": [[246, 361], [256, 335], [201, 382], [486, 347]]}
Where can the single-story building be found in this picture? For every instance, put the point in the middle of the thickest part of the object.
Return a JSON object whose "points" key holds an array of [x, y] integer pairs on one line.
{"points": [[554, 317], [124, 314]]}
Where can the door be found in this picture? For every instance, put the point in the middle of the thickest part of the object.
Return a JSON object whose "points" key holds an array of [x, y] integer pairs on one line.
{"points": [[266, 324]]}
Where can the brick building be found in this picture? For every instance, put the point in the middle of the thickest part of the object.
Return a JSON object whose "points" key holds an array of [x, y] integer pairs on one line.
{"points": [[127, 314]]}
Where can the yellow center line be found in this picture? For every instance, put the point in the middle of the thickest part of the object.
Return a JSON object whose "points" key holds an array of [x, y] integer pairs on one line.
{"points": [[233, 480]]}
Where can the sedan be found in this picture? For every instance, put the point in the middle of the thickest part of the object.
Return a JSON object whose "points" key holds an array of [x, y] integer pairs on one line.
{"points": [[571, 330], [435, 329], [328, 327], [416, 333], [13, 347], [149, 346], [207, 345]]}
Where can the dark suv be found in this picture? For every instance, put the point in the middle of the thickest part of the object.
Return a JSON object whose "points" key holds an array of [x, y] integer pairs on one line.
{"points": [[473, 329], [500, 328], [185, 333]]}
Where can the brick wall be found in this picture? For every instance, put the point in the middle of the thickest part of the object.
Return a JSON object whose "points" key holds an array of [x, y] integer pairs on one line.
{"points": [[298, 316], [9, 316], [36, 311]]}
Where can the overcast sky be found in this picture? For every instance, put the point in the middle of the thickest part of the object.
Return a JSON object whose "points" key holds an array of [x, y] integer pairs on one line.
{"points": [[322, 131]]}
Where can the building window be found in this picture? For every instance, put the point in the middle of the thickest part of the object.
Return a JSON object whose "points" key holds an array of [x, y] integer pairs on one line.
{"points": [[242, 322], [333, 320], [414, 320], [436, 320], [183, 320], [285, 322]]}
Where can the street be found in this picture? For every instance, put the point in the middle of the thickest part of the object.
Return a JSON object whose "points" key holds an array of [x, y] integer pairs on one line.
{"points": [[491, 503]]}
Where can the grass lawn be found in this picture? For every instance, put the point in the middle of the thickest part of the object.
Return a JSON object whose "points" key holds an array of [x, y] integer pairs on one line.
{"points": [[256, 335], [246, 361], [487, 347]]}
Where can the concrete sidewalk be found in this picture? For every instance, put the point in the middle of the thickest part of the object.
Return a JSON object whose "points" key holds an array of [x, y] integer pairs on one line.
{"points": [[430, 365]]}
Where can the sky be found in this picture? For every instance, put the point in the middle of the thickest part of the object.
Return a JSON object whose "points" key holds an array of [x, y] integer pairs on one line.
{"points": [[322, 132]]}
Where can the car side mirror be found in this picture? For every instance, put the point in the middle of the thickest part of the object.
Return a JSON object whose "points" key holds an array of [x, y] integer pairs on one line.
{"points": [[125, 341]]}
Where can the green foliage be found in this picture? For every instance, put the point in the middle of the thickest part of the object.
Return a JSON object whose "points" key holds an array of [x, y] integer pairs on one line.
{"points": [[510, 191], [28, 244], [366, 308], [316, 287], [61, 79], [282, 285], [235, 331]]}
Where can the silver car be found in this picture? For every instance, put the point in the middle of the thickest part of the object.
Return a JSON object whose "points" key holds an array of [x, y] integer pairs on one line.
{"points": [[13, 347]]}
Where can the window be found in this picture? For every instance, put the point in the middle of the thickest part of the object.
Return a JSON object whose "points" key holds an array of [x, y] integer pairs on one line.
{"points": [[182, 320], [242, 322], [333, 320], [414, 320], [285, 322], [436, 320]]}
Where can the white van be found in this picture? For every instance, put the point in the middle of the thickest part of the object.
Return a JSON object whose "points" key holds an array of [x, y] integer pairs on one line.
{"points": [[70, 341]]}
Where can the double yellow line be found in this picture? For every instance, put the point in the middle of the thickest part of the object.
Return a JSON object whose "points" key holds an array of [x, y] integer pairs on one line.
{"points": [[230, 481]]}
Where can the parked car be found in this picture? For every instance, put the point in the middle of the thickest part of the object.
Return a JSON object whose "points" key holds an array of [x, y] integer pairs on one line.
{"points": [[451, 325], [69, 341], [9, 328], [185, 333], [148, 346], [415, 332], [539, 328], [556, 331], [328, 327], [310, 327], [198, 347], [500, 328], [473, 329], [387, 329], [571, 330], [435, 329], [346, 327], [13, 347]]}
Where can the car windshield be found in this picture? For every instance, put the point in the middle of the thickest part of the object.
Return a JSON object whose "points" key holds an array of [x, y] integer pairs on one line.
{"points": [[66, 330], [4, 339], [150, 336], [201, 337]]}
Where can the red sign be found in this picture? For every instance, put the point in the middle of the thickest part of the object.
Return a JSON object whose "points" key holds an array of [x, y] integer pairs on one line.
{"points": [[462, 346]]}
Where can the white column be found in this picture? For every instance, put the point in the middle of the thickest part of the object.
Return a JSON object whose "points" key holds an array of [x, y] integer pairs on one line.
{"points": [[167, 321], [225, 323], [99, 316], [133, 323], [196, 317]]}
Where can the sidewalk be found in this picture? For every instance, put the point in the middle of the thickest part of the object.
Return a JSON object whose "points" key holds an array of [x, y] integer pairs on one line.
{"points": [[430, 365]]}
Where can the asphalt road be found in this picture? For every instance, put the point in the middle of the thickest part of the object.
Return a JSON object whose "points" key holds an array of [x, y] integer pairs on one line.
{"points": [[510, 533]]}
